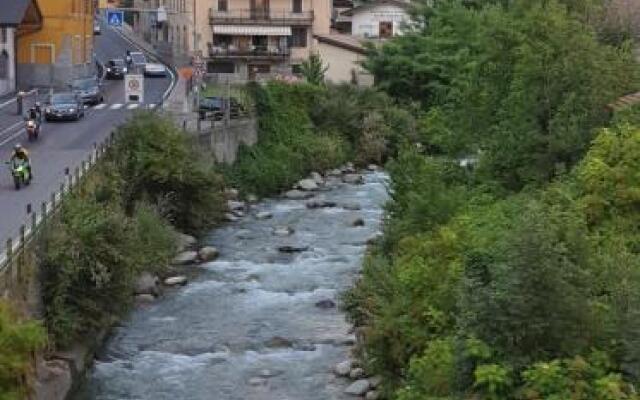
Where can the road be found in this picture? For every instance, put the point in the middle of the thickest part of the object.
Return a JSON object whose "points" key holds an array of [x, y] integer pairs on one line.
{"points": [[65, 144]]}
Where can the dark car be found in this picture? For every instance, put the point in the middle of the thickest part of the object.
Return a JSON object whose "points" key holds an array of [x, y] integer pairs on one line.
{"points": [[213, 107], [64, 106], [115, 69], [88, 89]]}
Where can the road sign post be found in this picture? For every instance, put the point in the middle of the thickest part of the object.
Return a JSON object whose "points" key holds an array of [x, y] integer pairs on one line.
{"points": [[134, 88], [115, 18]]}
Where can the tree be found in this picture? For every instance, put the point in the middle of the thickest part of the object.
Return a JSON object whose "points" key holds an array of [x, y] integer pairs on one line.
{"points": [[313, 69]]}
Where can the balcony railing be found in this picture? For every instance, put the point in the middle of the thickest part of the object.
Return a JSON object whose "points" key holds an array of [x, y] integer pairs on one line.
{"points": [[255, 52], [260, 17]]}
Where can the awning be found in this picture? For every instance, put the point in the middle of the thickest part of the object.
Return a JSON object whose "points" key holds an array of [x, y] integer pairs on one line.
{"points": [[249, 30]]}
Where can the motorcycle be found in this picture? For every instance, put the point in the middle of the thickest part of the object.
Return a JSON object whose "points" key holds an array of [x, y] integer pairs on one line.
{"points": [[20, 173], [33, 129]]}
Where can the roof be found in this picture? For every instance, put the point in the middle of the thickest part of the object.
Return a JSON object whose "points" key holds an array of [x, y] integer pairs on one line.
{"points": [[250, 30], [13, 11], [376, 3], [346, 42]]}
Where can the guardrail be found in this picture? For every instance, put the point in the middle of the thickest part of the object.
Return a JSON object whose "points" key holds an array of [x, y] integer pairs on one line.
{"points": [[260, 16]]}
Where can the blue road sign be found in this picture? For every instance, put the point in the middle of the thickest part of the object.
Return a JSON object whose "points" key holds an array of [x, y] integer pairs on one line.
{"points": [[115, 18]]}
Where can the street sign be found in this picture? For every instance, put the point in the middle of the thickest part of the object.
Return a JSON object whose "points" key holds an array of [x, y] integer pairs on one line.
{"points": [[115, 18], [134, 88]]}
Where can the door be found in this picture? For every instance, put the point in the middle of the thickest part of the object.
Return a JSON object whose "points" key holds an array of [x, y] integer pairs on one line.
{"points": [[260, 9], [386, 29]]}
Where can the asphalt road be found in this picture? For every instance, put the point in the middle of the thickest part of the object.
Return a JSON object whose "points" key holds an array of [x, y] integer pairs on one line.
{"points": [[65, 144]]}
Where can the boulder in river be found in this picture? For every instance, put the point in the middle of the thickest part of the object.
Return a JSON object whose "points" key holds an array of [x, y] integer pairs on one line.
{"points": [[352, 206], [230, 217], [298, 195], [231, 194], [353, 179], [326, 304], [252, 198], [372, 167], [283, 231], [257, 381], [317, 178], [375, 381], [186, 258], [357, 222], [356, 373], [264, 215], [307, 185], [334, 172], [372, 395], [184, 241], [343, 368], [208, 253], [320, 204], [145, 298], [147, 284], [278, 342], [292, 249], [358, 388], [235, 205], [176, 281]]}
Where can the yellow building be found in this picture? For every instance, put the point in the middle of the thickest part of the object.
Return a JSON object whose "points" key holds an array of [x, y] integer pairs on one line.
{"points": [[63, 49]]}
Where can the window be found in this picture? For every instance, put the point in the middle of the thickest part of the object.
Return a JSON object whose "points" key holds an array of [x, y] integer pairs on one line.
{"points": [[216, 67], [297, 6], [298, 37], [223, 5], [3, 35], [4, 64], [386, 29]]}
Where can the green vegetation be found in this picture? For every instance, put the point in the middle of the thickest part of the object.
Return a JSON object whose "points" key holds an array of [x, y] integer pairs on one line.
{"points": [[120, 222], [517, 277], [18, 341], [304, 127], [313, 70]]}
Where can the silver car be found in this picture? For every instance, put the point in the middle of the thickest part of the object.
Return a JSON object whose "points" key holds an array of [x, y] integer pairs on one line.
{"points": [[89, 90]]}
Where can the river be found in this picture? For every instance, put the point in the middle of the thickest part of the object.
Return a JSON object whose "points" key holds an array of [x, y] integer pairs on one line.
{"points": [[247, 326]]}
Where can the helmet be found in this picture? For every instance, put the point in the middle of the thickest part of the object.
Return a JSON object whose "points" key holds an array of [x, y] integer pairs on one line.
{"points": [[37, 104], [18, 147]]}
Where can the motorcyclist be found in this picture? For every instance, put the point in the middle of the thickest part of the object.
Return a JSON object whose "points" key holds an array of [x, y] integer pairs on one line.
{"points": [[38, 108], [128, 57], [21, 154]]}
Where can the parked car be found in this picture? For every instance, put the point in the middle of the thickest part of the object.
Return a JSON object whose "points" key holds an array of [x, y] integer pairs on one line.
{"points": [[136, 61], [89, 90], [155, 69], [213, 107], [116, 69], [64, 106]]}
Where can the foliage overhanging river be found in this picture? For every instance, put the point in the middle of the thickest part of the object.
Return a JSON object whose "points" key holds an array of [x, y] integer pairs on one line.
{"points": [[247, 326]]}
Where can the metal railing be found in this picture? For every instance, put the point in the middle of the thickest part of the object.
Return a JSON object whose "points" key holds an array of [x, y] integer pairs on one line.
{"points": [[260, 16], [254, 52]]}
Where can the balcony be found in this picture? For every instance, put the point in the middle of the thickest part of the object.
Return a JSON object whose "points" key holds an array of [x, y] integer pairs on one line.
{"points": [[260, 17], [273, 53]]}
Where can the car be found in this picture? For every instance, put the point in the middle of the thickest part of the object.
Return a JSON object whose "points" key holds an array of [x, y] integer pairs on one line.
{"points": [[137, 61], [88, 89], [64, 106], [115, 69], [155, 69], [96, 29], [213, 107]]}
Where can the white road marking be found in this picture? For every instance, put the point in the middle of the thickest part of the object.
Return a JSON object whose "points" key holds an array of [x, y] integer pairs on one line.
{"points": [[133, 106], [15, 134], [100, 106], [116, 106]]}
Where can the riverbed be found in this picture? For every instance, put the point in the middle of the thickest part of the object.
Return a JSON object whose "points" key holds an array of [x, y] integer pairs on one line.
{"points": [[257, 323]]}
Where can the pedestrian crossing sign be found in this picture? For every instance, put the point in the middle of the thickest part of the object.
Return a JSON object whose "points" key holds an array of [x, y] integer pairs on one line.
{"points": [[115, 18]]}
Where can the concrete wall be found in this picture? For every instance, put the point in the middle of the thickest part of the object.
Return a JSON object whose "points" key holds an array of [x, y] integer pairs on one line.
{"points": [[224, 141], [367, 22], [8, 85]]}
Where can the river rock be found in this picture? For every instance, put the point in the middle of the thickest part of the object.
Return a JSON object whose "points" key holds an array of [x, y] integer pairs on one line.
{"points": [[145, 298], [238, 213], [264, 215], [348, 168], [175, 281], [334, 172], [230, 217], [317, 178], [147, 284], [184, 241], [186, 258], [278, 342], [208, 253], [231, 193], [343, 368], [292, 249], [326, 304], [358, 388], [352, 206], [356, 373], [375, 381], [320, 204], [252, 198], [53, 380], [353, 179], [267, 373], [372, 167], [257, 381], [307, 185], [372, 395], [357, 222], [235, 205], [283, 231], [298, 195]]}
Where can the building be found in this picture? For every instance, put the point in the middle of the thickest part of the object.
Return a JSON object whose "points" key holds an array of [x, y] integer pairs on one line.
{"points": [[19, 18], [62, 49], [343, 55], [377, 19]]}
